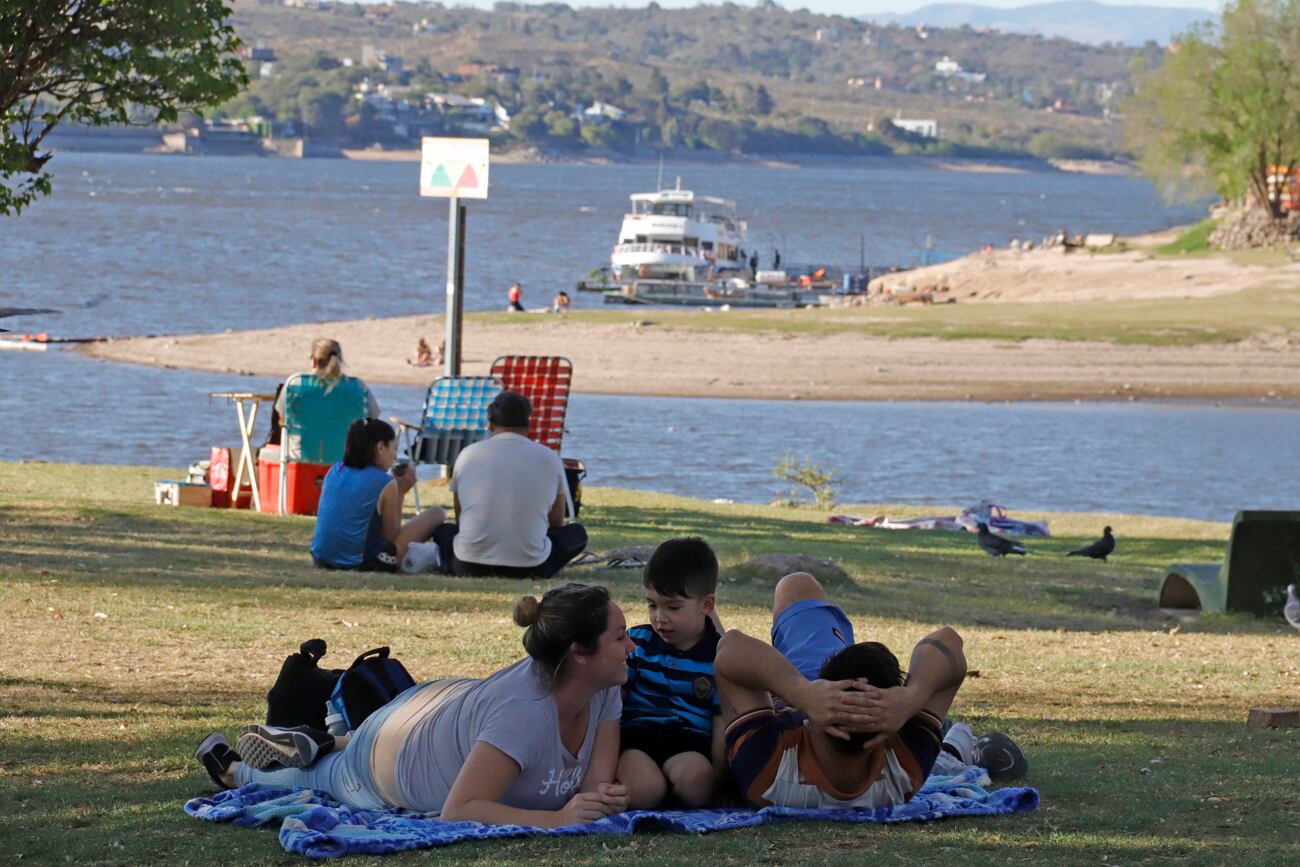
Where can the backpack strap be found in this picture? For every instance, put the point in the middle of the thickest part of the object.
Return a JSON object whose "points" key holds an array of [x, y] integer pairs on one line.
{"points": [[375, 653]]}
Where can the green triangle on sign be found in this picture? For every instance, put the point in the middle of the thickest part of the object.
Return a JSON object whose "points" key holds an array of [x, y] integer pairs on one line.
{"points": [[439, 177]]}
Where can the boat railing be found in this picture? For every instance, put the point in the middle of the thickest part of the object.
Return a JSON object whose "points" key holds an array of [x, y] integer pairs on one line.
{"points": [[676, 249]]}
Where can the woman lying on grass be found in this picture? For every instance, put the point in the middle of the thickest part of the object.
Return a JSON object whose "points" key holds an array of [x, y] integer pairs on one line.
{"points": [[535, 744]]}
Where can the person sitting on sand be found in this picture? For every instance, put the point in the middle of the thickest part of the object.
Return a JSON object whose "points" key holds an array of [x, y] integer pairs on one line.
{"points": [[561, 303], [359, 521], [796, 752], [326, 362], [511, 497], [535, 744], [423, 354], [514, 298]]}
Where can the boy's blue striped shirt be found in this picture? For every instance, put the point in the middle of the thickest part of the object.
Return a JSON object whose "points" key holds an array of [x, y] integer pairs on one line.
{"points": [[671, 687]]}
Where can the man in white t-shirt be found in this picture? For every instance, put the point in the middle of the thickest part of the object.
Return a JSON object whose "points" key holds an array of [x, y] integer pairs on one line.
{"points": [[511, 498]]}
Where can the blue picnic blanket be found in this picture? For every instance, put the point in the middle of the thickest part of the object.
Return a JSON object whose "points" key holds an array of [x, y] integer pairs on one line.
{"points": [[313, 825]]}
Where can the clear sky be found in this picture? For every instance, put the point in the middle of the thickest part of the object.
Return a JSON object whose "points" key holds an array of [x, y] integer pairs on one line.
{"points": [[846, 7]]}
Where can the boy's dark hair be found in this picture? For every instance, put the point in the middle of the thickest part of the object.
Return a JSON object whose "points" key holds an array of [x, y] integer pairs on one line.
{"points": [[869, 659], [684, 567]]}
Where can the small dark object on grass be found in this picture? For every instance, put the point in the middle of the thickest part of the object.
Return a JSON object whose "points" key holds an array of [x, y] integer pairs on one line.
{"points": [[1273, 718], [996, 546], [1099, 550]]}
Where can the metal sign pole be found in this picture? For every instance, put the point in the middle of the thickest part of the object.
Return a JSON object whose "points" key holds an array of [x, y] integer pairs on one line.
{"points": [[455, 284]]}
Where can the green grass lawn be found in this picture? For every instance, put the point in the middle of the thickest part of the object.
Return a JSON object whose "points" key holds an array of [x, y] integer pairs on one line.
{"points": [[1152, 322], [1194, 241], [131, 630]]}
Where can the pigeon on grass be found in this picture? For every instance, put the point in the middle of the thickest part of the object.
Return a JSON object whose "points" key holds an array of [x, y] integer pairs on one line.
{"points": [[1292, 608], [1099, 550], [996, 546]]}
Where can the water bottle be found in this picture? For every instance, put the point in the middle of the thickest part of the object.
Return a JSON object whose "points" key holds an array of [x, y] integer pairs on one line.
{"points": [[335, 724]]}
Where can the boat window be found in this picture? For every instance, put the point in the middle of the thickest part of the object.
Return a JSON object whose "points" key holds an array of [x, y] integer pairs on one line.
{"points": [[707, 245]]}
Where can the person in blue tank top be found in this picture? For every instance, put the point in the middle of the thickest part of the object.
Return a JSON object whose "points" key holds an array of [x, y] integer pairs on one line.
{"points": [[359, 522]]}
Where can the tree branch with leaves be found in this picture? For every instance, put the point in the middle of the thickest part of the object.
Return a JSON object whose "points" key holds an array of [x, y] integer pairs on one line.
{"points": [[100, 62], [1222, 113]]}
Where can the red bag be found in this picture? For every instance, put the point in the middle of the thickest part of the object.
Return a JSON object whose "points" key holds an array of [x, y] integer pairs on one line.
{"points": [[221, 477]]}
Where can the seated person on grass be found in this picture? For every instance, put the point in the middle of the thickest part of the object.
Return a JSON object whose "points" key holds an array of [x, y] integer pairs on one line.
{"points": [[669, 702], [534, 744], [359, 522], [511, 497], [801, 751]]}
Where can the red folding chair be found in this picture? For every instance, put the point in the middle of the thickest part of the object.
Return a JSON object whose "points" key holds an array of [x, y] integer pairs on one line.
{"points": [[544, 380]]}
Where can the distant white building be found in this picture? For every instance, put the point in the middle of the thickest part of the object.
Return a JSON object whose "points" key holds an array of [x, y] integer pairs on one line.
{"points": [[473, 113], [926, 128], [827, 34], [950, 68], [602, 111], [377, 57]]}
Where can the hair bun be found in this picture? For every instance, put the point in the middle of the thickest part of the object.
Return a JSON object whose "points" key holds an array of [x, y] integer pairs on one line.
{"points": [[527, 611]]}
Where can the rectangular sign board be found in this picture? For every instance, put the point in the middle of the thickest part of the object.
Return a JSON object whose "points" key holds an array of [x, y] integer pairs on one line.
{"points": [[454, 168]]}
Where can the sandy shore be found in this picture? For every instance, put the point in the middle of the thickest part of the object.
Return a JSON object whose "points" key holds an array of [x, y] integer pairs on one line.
{"points": [[652, 360]]}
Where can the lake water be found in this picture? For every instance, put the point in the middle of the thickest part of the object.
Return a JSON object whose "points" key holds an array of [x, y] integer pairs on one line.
{"points": [[135, 244], [1152, 458]]}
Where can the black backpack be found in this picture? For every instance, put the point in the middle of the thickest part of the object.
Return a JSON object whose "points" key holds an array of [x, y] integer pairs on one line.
{"points": [[302, 688]]}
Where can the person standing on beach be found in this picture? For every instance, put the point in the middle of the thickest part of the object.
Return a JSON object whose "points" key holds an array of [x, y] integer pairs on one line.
{"points": [[515, 298]]}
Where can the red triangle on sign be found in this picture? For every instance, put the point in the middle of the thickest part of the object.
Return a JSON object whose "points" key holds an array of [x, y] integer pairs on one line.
{"points": [[468, 179]]}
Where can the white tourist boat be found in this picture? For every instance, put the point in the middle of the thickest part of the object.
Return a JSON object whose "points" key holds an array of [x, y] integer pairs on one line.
{"points": [[678, 235]]}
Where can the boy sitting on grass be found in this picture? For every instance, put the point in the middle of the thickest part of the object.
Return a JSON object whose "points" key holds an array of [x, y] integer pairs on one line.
{"points": [[670, 702]]}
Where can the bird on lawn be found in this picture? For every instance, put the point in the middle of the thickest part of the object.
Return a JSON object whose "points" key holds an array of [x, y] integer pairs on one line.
{"points": [[1292, 607], [996, 546], [1099, 550]]}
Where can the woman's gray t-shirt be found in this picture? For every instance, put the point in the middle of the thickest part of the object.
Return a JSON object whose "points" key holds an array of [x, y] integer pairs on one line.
{"points": [[513, 711]]}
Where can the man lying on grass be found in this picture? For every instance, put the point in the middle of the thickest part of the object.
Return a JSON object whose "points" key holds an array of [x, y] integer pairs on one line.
{"points": [[785, 754]]}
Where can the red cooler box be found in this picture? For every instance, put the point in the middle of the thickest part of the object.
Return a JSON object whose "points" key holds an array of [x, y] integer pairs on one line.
{"points": [[303, 482]]}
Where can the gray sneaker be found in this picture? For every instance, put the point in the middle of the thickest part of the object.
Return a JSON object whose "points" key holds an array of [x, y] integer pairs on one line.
{"points": [[995, 753], [264, 747]]}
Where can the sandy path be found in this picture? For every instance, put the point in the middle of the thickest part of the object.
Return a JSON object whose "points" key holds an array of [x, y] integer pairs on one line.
{"points": [[654, 360]]}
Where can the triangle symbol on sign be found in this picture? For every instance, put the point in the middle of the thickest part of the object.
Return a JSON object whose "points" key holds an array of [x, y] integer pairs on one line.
{"points": [[439, 177], [468, 179]]}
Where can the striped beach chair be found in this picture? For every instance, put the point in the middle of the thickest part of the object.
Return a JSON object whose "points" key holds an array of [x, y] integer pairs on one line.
{"points": [[545, 381], [455, 416]]}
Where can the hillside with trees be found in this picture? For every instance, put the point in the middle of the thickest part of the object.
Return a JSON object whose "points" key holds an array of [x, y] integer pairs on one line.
{"points": [[751, 80]]}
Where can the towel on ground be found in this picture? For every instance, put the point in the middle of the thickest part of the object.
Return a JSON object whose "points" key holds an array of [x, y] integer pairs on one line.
{"points": [[315, 826]]}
